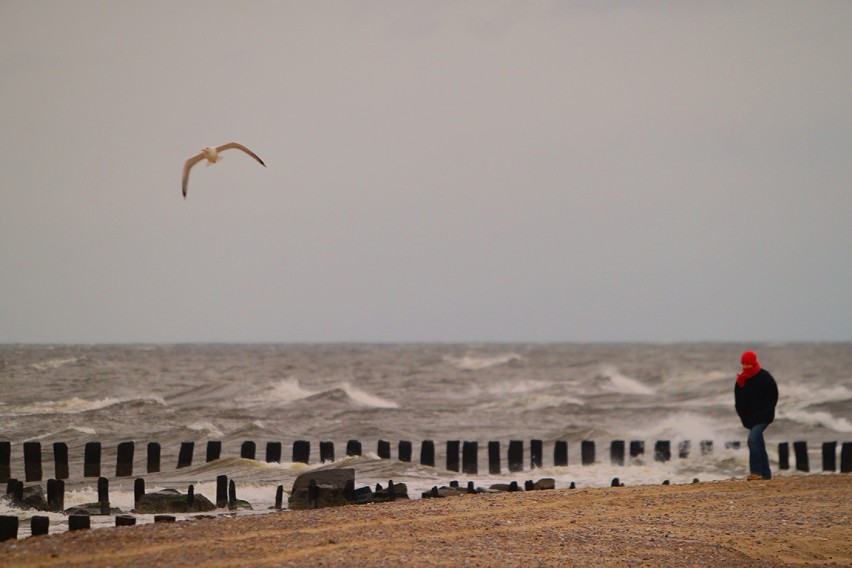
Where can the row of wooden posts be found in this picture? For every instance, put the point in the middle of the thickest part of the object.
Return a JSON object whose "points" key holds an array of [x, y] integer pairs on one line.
{"points": [[469, 452], [226, 496]]}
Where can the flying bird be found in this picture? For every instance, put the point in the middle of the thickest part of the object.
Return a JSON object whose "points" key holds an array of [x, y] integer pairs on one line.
{"points": [[212, 156]]}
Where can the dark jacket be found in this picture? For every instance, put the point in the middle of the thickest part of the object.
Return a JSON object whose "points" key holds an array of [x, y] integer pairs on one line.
{"points": [[756, 400]]}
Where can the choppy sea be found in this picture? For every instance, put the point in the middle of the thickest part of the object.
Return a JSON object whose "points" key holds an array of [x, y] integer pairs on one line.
{"points": [[339, 392]]}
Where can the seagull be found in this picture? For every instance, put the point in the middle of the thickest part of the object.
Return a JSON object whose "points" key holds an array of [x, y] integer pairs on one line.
{"points": [[212, 156]]}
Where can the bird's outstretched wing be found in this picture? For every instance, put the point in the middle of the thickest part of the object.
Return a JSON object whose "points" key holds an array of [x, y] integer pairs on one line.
{"points": [[239, 146], [186, 166]]}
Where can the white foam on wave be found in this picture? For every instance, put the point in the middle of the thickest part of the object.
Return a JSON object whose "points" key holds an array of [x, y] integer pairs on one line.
{"points": [[817, 418], [206, 428], [681, 426], [472, 363], [623, 384], [286, 390], [71, 406], [366, 398], [51, 364]]}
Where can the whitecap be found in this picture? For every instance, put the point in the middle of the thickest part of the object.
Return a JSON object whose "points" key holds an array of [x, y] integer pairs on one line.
{"points": [[366, 398], [206, 427], [71, 406], [623, 384], [681, 425], [471, 363], [54, 363], [818, 418]]}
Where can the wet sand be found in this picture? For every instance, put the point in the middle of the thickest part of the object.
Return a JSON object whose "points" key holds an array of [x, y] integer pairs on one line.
{"points": [[789, 521]]}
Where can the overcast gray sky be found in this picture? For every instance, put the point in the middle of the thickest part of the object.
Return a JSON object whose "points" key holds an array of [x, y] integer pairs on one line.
{"points": [[437, 171]]}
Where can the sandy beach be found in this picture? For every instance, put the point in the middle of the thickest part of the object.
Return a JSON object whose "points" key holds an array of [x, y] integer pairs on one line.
{"points": [[796, 520]]}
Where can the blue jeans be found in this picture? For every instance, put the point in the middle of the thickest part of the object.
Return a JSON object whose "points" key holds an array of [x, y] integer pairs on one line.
{"points": [[758, 460]]}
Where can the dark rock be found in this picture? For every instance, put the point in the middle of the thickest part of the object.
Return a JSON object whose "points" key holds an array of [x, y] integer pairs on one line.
{"points": [[544, 484], [392, 492], [172, 501], [92, 510], [34, 498], [322, 488]]}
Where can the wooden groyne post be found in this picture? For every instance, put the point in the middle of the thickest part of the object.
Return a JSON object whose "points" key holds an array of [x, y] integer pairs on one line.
{"points": [[153, 457], [214, 450], [6, 463], [616, 452], [124, 461], [829, 456], [560, 453], [185, 455], [32, 461], [92, 459], [801, 450], [248, 450], [846, 457], [60, 460]]}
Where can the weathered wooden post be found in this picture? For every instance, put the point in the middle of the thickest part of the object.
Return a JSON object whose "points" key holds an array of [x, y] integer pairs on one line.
{"points": [[829, 456], [301, 451], [273, 452], [536, 454], [221, 491], [103, 495], [560, 453], [452, 455], [516, 456], [214, 450], [92, 460], [427, 453], [384, 450], [153, 457], [124, 461], [616, 452], [404, 451], [637, 448], [662, 451], [279, 497], [706, 447], [683, 449], [6, 465], [138, 490], [784, 455], [125, 520], [353, 448], [470, 458], [587, 452], [801, 449], [494, 458], [8, 527], [190, 497], [79, 522], [39, 526], [32, 461], [56, 495], [185, 455], [326, 451], [232, 495], [846, 457], [248, 450]]}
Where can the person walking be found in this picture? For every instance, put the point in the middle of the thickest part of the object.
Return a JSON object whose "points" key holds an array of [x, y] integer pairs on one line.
{"points": [[755, 397]]}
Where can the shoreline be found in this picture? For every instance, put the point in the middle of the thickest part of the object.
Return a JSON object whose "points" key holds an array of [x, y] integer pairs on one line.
{"points": [[788, 521]]}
